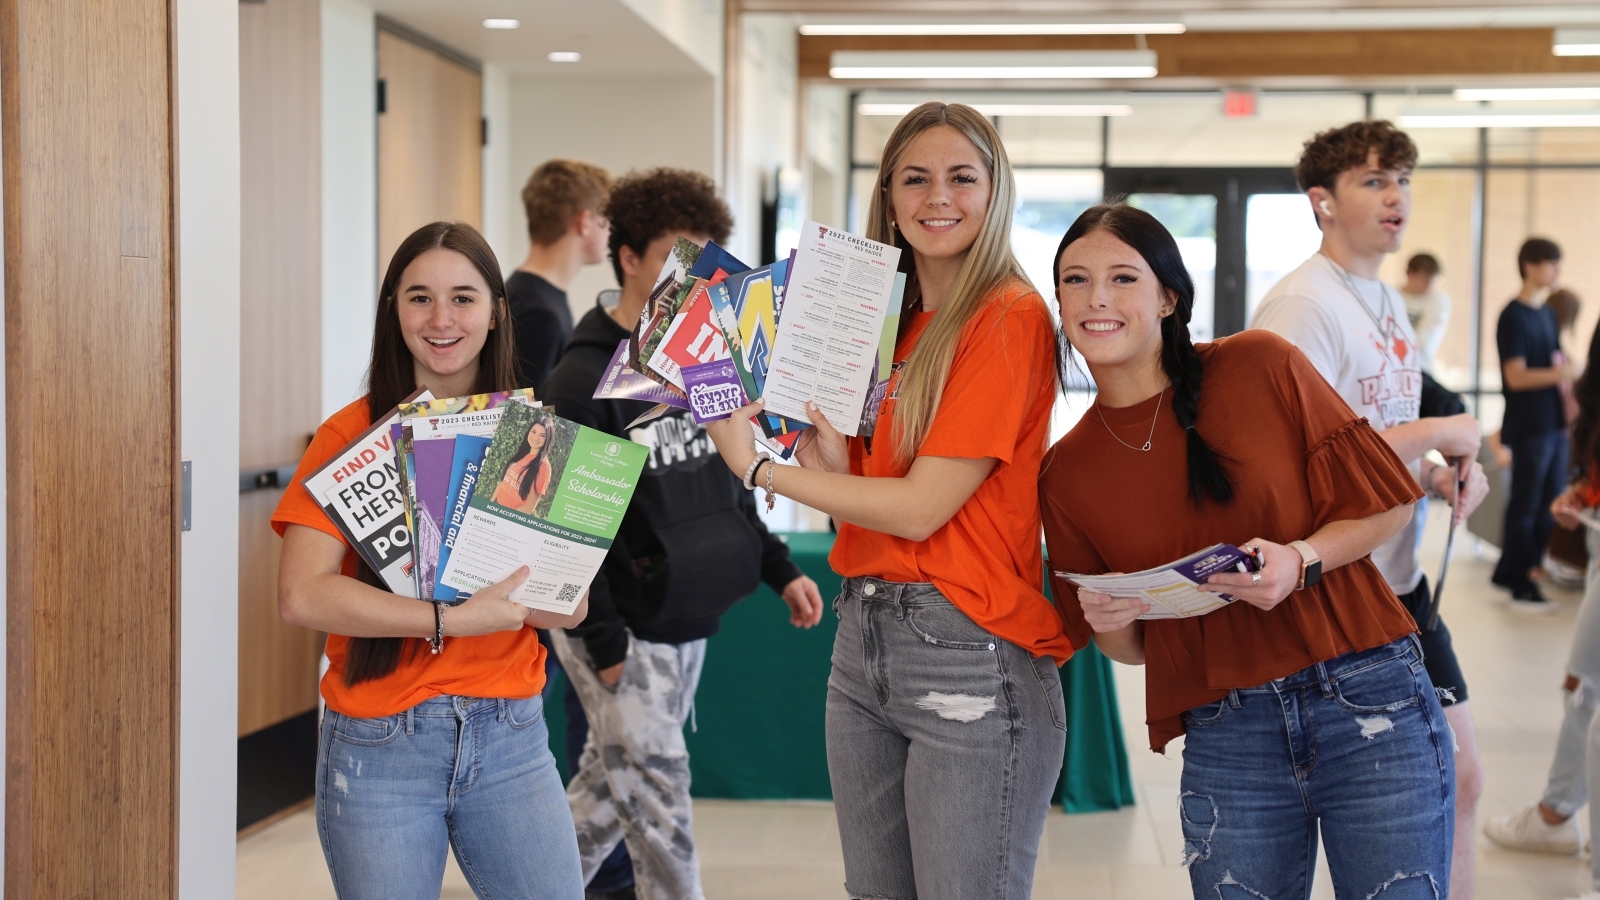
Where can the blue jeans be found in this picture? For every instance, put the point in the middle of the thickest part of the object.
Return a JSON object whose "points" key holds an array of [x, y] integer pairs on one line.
{"points": [[944, 746], [1357, 746], [1538, 475], [472, 774]]}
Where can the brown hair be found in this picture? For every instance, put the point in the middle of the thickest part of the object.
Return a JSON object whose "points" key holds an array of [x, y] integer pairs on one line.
{"points": [[1564, 304], [1340, 149], [558, 192], [391, 377], [1534, 251], [1425, 263], [645, 206]]}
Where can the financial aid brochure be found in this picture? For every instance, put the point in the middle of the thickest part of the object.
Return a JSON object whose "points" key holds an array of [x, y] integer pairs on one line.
{"points": [[1173, 590], [361, 491], [550, 495], [426, 531], [429, 444]]}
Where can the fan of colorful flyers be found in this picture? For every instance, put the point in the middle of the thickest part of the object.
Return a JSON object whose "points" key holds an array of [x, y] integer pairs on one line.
{"points": [[447, 496], [707, 337]]}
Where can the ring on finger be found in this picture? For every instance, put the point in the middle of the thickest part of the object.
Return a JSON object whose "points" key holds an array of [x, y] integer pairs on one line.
{"points": [[1255, 578]]}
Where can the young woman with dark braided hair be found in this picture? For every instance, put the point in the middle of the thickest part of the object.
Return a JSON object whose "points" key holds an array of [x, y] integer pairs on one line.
{"points": [[1305, 703]]}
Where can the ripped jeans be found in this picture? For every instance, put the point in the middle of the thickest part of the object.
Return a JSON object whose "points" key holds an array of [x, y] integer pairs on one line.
{"points": [[1357, 746], [944, 745]]}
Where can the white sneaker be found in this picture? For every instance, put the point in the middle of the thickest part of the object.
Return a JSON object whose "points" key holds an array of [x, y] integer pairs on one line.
{"points": [[1527, 830]]}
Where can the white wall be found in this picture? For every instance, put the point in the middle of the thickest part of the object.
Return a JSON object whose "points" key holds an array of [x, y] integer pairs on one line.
{"points": [[208, 294], [621, 123], [502, 193], [694, 26], [349, 198], [768, 86], [827, 158]]}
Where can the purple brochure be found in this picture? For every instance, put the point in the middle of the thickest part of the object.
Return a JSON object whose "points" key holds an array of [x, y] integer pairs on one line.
{"points": [[1210, 561], [714, 390], [433, 462], [622, 383]]}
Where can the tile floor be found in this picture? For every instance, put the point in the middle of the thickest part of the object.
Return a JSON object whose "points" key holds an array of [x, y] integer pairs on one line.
{"points": [[778, 851]]}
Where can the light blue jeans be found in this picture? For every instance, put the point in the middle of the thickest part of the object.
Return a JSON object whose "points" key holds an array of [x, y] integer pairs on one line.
{"points": [[1577, 762], [1357, 747], [469, 773]]}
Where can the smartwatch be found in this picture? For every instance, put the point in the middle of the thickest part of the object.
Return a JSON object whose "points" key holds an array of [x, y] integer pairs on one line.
{"points": [[1310, 564]]}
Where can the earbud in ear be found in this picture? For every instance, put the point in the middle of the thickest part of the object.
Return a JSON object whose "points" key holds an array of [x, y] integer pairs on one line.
{"points": [[1323, 205]]}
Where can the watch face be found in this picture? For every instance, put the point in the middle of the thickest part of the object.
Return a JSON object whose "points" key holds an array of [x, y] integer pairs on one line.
{"points": [[1313, 573]]}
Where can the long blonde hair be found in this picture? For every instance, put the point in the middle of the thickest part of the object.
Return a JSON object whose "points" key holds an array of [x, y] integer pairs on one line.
{"points": [[988, 263]]}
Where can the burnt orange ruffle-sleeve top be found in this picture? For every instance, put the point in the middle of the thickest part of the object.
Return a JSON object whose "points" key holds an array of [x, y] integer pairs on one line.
{"points": [[1299, 458]]}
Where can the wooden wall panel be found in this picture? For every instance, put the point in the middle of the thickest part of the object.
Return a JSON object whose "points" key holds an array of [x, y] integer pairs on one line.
{"points": [[430, 143], [280, 352], [92, 502], [1264, 54]]}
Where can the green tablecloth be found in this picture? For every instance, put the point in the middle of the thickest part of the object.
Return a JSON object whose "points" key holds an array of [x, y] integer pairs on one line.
{"points": [[757, 732]]}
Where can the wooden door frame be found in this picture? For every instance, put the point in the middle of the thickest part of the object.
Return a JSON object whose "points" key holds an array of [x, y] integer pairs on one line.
{"points": [[94, 817]]}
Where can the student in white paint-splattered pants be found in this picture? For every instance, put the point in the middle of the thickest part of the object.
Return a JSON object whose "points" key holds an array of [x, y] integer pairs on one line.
{"points": [[633, 779], [1550, 826]]}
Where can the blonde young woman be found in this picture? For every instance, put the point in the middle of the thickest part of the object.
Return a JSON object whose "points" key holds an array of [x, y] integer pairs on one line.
{"points": [[945, 720]]}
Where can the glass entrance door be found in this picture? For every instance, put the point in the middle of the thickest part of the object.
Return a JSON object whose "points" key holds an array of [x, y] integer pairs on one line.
{"points": [[1207, 209]]}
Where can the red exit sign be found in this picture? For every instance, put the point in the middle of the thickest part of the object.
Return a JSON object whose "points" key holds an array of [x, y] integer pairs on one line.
{"points": [[1238, 104]]}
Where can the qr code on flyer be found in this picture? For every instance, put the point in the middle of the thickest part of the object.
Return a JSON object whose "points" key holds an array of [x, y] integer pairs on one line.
{"points": [[569, 593]]}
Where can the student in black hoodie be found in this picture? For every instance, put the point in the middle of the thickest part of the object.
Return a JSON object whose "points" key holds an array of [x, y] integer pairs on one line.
{"points": [[690, 546]]}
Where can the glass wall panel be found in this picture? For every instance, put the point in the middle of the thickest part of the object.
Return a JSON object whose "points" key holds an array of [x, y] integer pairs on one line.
{"points": [[1441, 226], [1048, 201], [1190, 129], [872, 132], [1435, 146], [1544, 145], [1192, 219], [1051, 140], [1280, 232], [1557, 204]]}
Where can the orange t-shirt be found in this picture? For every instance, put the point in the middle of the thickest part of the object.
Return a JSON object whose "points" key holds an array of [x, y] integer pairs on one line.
{"points": [[508, 664], [996, 403]]}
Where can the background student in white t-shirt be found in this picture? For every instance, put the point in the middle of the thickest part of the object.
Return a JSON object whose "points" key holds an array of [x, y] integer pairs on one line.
{"points": [[1356, 332], [1427, 306]]}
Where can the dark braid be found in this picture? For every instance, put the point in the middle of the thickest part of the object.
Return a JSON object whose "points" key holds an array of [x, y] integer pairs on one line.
{"points": [[1208, 478]]}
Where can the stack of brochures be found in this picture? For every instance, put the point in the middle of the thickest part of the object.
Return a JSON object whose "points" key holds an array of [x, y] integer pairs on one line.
{"points": [[447, 496], [817, 327], [1173, 590]]}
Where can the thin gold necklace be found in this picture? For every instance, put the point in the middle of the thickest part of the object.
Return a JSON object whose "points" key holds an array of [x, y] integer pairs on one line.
{"points": [[1146, 447]]}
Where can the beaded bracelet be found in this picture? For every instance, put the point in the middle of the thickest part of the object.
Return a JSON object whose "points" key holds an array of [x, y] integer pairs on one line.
{"points": [[436, 643], [750, 473]]}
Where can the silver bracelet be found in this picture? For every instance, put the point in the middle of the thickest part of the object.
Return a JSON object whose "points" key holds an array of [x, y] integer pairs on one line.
{"points": [[750, 473]]}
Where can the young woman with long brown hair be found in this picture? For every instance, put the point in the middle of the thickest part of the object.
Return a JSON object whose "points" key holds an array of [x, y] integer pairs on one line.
{"points": [[421, 751], [945, 720]]}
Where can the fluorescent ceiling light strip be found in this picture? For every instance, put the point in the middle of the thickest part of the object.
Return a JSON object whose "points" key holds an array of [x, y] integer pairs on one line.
{"points": [[1577, 49], [1489, 120], [1576, 42], [992, 72], [1007, 109], [501, 24], [930, 28], [1543, 93]]}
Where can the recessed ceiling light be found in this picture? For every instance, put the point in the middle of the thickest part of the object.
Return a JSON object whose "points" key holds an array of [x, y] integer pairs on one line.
{"points": [[930, 28], [1576, 42], [993, 64], [501, 24], [1550, 93], [564, 56]]}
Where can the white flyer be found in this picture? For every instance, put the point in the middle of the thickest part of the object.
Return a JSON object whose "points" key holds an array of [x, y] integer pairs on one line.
{"points": [[839, 291], [1173, 590]]}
